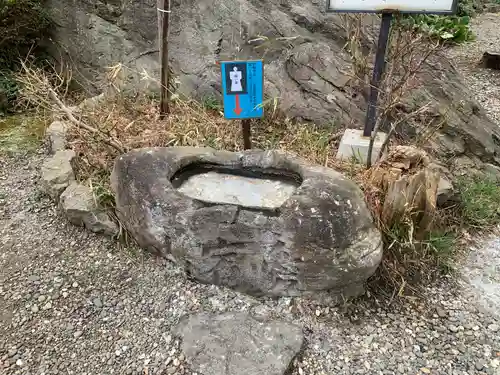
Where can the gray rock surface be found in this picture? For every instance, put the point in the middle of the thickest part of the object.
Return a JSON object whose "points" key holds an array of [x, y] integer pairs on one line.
{"points": [[306, 64], [57, 173], [238, 344], [492, 171], [56, 133], [78, 205], [320, 242]]}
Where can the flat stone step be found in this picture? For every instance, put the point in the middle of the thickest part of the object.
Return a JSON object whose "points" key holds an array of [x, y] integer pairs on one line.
{"points": [[236, 343]]}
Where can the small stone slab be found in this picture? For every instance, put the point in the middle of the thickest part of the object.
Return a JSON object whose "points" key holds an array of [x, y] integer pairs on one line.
{"points": [[355, 146], [57, 173], [56, 133], [79, 207], [236, 343]]}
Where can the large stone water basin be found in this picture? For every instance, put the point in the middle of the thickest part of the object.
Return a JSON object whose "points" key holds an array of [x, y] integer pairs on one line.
{"points": [[261, 222]]}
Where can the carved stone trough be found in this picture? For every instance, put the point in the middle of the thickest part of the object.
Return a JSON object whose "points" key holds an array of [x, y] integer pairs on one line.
{"points": [[261, 222]]}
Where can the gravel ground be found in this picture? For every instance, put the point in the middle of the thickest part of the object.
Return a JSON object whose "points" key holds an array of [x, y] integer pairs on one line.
{"points": [[483, 83], [481, 271], [74, 303]]}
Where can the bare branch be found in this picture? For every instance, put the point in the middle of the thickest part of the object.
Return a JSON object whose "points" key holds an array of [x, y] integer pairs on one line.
{"points": [[408, 53], [400, 121], [41, 90], [109, 141]]}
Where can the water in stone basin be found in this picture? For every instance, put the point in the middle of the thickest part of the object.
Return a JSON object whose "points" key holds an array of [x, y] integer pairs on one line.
{"points": [[217, 187]]}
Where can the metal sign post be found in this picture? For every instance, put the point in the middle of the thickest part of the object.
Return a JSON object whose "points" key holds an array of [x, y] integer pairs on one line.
{"points": [[378, 70], [163, 31], [387, 8], [243, 92]]}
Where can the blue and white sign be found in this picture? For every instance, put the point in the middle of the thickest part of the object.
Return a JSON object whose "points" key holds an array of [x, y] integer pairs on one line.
{"points": [[243, 89]]}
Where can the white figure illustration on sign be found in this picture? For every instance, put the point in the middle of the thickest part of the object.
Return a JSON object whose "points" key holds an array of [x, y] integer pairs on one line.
{"points": [[235, 77]]}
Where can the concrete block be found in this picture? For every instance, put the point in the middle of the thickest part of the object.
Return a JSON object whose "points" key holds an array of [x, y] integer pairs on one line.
{"points": [[354, 145]]}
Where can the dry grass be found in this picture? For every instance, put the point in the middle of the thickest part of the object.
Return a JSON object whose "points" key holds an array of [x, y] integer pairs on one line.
{"points": [[136, 123], [412, 261]]}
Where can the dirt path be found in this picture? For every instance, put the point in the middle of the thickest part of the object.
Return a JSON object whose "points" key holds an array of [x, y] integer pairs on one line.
{"points": [[483, 83]]}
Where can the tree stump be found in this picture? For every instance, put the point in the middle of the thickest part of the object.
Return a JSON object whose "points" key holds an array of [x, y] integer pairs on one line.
{"points": [[490, 60], [409, 186]]}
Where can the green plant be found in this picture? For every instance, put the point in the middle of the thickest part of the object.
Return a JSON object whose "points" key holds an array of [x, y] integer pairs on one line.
{"points": [[23, 23], [9, 88], [212, 103], [444, 28], [453, 28], [443, 246], [480, 198], [21, 133], [468, 7], [103, 196]]}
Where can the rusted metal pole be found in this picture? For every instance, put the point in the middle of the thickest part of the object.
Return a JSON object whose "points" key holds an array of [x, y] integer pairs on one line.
{"points": [[163, 27], [378, 70], [246, 131]]}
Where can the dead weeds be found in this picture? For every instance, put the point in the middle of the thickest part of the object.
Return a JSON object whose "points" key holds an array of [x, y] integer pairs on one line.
{"points": [[135, 123]]}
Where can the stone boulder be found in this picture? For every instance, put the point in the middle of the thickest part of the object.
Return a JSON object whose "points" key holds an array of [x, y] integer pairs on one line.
{"points": [[490, 60], [321, 241], [56, 133], [238, 344], [492, 171], [57, 173], [77, 203]]}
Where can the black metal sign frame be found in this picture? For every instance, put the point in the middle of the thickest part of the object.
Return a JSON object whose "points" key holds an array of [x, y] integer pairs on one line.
{"points": [[379, 66]]}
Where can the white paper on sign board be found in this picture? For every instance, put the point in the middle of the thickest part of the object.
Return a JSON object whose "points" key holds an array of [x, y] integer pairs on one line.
{"points": [[406, 6]]}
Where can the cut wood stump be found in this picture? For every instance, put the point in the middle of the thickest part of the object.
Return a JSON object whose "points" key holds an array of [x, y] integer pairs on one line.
{"points": [[491, 60], [409, 186]]}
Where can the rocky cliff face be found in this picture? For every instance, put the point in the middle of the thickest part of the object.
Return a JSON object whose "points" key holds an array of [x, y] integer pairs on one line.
{"points": [[306, 66], [302, 47]]}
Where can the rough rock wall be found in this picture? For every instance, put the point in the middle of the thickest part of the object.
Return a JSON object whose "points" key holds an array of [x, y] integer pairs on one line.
{"points": [[301, 45], [306, 66]]}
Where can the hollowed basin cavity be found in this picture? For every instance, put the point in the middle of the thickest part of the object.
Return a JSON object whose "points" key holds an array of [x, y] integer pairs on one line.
{"points": [[250, 187]]}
